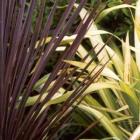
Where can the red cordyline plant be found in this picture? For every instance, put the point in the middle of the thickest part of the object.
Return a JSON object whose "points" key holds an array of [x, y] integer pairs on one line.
{"points": [[23, 61]]}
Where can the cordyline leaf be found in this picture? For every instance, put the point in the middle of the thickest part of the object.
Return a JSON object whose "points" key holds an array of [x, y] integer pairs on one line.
{"points": [[137, 33], [60, 97], [116, 60], [82, 52], [125, 131], [123, 108], [121, 119], [135, 49], [106, 72], [127, 59], [110, 127], [97, 38], [102, 109], [24, 55], [55, 100], [109, 10], [90, 34], [131, 99], [40, 82], [136, 134], [87, 129]]}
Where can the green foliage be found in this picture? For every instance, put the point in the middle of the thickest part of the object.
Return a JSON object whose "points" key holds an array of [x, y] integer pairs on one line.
{"points": [[124, 99], [113, 100]]}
